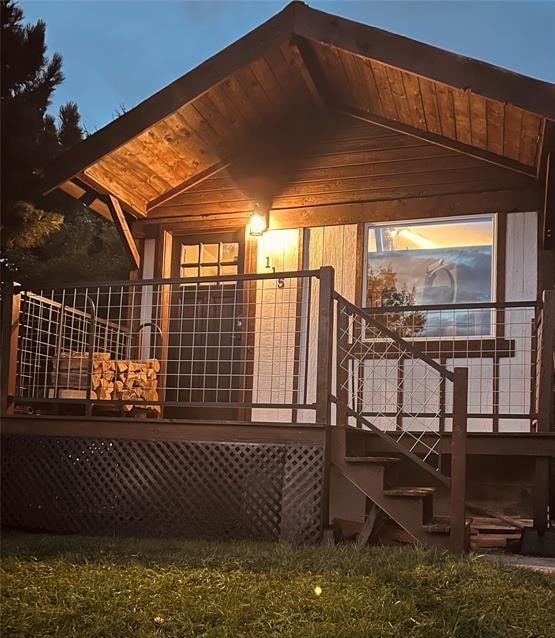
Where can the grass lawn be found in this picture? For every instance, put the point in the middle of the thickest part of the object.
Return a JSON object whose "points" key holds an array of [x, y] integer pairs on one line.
{"points": [[80, 586]]}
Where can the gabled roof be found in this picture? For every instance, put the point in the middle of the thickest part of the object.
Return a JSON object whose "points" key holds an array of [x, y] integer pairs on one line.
{"points": [[300, 62]]}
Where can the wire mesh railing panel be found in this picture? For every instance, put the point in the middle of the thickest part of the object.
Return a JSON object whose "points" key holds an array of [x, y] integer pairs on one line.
{"points": [[496, 342], [57, 334], [388, 385], [215, 343]]}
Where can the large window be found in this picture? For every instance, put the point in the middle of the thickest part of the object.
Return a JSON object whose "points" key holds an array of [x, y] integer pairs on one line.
{"points": [[432, 263]]}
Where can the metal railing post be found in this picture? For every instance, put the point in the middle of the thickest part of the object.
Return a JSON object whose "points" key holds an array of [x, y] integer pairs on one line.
{"points": [[11, 301], [458, 537], [324, 378]]}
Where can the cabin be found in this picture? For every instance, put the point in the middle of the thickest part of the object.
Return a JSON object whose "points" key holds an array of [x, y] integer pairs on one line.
{"points": [[341, 309]]}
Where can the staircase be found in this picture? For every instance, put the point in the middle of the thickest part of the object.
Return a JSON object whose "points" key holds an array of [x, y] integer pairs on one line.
{"points": [[411, 507], [366, 352]]}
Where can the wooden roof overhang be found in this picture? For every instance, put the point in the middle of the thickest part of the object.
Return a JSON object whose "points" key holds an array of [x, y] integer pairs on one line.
{"points": [[300, 63]]}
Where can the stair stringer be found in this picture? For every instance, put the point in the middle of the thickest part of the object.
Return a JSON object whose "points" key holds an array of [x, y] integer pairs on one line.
{"points": [[407, 512]]}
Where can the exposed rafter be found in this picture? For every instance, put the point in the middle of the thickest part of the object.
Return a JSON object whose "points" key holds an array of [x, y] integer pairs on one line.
{"points": [[187, 184], [124, 231]]}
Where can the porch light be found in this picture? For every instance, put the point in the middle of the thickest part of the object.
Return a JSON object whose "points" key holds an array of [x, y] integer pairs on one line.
{"points": [[258, 222]]}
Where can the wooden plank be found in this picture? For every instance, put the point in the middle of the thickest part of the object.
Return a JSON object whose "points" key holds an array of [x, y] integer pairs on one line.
{"points": [[427, 61], [395, 79], [530, 139], [187, 185], [458, 146], [414, 99], [124, 231], [495, 115], [368, 527], [430, 105], [462, 117], [164, 430], [478, 121], [325, 343], [512, 128], [457, 534], [171, 98], [446, 109]]}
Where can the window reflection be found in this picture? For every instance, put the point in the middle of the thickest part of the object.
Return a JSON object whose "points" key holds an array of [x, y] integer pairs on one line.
{"points": [[432, 263]]}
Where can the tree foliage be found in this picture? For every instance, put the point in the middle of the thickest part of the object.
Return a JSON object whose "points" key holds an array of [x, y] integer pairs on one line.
{"points": [[47, 237], [383, 290]]}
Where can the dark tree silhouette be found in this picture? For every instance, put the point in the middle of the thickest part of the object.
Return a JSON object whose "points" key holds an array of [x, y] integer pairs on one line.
{"points": [[49, 238]]}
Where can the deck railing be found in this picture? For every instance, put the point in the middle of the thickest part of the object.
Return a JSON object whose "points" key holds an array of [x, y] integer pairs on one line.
{"points": [[214, 346], [495, 341]]}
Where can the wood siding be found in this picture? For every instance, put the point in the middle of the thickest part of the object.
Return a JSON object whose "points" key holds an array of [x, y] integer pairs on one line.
{"points": [[347, 161]]}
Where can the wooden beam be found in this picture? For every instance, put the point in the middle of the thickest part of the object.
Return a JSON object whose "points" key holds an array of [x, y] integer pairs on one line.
{"points": [[187, 184], [78, 192], [164, 430], [439, 140], [87, 181], [167, 101], [549, 203], [503, 201], [426, 61], [124, 231]]}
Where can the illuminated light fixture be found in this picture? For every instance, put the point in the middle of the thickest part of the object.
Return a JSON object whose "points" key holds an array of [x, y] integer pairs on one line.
{"points": [[258, 222]]}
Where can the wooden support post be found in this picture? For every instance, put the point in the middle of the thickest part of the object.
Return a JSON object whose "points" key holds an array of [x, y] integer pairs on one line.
{"points": [[124, 231], [541, 494], [544, 404], [11, 301], [458, 536], [544, 388], [165, 247], [342, 365], [324, 378]]}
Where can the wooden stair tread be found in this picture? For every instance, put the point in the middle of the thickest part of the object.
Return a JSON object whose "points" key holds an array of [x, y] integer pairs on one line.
{"points": [[409, 491], [371, 459]]}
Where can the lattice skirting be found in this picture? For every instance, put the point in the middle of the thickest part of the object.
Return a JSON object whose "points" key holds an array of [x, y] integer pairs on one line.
{"points": [[162, 488]]}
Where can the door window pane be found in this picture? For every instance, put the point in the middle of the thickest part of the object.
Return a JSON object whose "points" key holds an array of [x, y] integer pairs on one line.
{"points": [[210, 253], [230, 253], [189, 254]]}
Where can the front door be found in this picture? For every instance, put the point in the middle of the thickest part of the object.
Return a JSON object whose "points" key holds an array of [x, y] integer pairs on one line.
{"points": [[205, 341]]}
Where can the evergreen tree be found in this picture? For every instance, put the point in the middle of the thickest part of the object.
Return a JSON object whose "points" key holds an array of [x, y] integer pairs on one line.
{"points": [[46, 237], [29, 136]]}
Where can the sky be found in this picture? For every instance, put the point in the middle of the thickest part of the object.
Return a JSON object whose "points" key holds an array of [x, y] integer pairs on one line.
{"points": [[117, 53]]}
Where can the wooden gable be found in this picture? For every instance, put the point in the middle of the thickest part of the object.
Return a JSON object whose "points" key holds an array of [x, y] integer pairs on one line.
{"points": [[285, 74]]}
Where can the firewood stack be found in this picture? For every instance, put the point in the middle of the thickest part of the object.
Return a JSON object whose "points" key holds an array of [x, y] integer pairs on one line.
{"points": [[111, 380]]}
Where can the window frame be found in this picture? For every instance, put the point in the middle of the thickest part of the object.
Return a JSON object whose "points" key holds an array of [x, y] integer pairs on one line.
{"points": [[437, 220]]}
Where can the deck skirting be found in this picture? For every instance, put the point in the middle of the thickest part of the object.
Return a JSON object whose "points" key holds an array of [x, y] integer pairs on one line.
{"points": [[189, 489]]}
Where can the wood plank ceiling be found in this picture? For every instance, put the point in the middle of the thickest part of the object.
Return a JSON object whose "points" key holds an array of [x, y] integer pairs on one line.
{"points": [[207, 135], [207, 132], [430, 106]]}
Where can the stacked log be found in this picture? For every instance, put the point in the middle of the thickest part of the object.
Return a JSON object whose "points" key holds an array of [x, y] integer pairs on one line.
{"points": [[131, 380]]}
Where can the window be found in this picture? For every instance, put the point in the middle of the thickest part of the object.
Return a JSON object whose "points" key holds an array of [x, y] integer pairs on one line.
{"points": [[209, 260], [432, 263]]}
